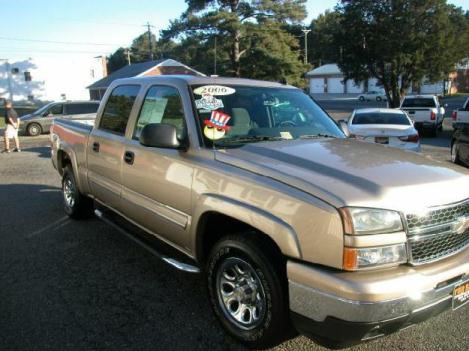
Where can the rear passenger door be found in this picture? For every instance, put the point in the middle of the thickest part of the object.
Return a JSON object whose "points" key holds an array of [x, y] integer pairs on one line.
{"points": [[157, 182], [105, 145]]}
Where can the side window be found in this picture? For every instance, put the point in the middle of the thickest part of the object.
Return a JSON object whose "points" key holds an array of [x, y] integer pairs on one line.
{"points": [[118, 107], [162, 105], [56, 109]]}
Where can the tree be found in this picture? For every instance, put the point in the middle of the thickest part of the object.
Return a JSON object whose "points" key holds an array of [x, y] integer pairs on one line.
{"points": [[400, 41], [323, 49], [229, 19]]}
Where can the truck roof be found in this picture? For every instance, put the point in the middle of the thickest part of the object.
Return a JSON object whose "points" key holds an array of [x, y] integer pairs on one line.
{"points": [[194, 80], [426, 96]]}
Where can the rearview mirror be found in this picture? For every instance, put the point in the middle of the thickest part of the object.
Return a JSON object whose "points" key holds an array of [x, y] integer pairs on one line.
{"points": [[160, 135], [344, 127]]}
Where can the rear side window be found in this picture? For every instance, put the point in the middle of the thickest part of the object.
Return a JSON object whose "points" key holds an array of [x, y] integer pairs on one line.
{"points": [[56, 109], [83, 108], [418, 102], [380, 118], [117, 110], [162, 105]]}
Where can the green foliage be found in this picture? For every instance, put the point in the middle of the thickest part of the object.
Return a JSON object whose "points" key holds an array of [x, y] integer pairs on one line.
{"points": [[399, 41]]}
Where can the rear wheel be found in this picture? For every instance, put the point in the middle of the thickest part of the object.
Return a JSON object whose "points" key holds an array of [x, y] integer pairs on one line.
{"points": [[378, 98], [361, 98], [76, 205], [34, 129], [433, 132], [248, 291]]}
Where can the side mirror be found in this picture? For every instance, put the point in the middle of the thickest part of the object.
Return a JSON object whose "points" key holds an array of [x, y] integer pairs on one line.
{"points": [[344, 127], [160, 135]]}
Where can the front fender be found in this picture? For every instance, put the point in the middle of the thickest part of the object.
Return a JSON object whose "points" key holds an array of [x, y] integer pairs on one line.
{"points": [[279, 231]]}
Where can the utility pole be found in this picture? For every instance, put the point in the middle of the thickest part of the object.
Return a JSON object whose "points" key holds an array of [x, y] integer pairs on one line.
{"points": [[149, 26], [127, 53], [8, 72], [306, 31], [215, 57]]}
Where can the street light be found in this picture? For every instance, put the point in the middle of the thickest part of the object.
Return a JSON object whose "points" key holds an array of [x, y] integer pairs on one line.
{"points": [[306, 31], [7, 70]]}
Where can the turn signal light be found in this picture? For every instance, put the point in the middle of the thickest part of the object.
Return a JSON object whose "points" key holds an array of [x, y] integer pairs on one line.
{"points": [[350, 259], [410, 138]]}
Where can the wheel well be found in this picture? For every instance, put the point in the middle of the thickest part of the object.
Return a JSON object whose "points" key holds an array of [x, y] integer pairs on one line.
{"points": [[213, 226], [62, 161]]}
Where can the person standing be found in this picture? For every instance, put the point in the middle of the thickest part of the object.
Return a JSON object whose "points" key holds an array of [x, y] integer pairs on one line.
{"points": [[12, 124]]}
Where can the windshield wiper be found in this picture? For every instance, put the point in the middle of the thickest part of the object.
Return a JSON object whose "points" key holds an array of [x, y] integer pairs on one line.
{"points": [[315, 136], [250, 139]]}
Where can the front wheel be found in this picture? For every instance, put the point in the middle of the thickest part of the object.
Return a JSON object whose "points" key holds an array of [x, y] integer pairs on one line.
{"points": [[34, 129], [76, 205], [248, 291], [455, 153]]}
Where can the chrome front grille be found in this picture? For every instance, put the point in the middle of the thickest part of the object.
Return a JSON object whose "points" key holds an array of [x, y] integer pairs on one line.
{"points": [[438, 233]]}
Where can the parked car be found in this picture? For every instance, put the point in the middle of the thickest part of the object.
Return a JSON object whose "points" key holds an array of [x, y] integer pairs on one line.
{"points": [[384, 126], [40, 121], [460, 116], [426, 111], [373, 95], [288, 219], [460, 145]]}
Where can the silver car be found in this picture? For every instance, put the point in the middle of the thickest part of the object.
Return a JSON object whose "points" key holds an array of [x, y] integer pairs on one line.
{"points": [[373, 95], [384, 126], [40, 121]]}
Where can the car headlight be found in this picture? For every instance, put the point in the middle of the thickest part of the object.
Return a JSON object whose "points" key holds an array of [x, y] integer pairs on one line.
{"points": [[362, 258], [360, 221]]}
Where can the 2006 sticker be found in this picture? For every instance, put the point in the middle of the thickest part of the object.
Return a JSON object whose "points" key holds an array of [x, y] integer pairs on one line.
{"points": [[217, 90]]}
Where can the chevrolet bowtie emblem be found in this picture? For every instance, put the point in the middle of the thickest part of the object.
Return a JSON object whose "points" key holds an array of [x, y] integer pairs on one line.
{"points": [[461, 225]]}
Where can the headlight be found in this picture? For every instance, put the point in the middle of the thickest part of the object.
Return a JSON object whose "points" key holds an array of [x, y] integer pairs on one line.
{"points": [[360, 221], [361, 258]]}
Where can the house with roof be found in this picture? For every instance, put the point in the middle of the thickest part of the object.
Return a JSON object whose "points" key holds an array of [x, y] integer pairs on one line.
{"points": [[143, 69], [329, 79]]}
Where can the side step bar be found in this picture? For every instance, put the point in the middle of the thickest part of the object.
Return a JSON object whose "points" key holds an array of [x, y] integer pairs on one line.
{"points": [[171, 261]]}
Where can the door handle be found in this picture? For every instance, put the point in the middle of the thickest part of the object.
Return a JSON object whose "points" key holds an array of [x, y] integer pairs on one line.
{"points": [[96, 146], [129, 157]]}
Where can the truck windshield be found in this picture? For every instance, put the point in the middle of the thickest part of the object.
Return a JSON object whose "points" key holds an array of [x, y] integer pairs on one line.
{"points": [[418, 102], [234, 115]]}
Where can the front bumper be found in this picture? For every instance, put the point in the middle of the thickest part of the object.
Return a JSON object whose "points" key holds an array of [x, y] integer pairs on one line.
{"points": [[344, 308]]}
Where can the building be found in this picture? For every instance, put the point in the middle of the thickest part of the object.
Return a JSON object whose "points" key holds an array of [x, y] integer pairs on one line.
{"points": [[150, 68], [329, 79], [49, 78]]}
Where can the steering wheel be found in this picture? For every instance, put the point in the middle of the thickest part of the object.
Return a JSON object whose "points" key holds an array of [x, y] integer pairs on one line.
{"points": [[287, 124]]}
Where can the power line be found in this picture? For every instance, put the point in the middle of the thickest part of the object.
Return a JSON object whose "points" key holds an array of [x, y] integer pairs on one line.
{"points": [[57, 42]]}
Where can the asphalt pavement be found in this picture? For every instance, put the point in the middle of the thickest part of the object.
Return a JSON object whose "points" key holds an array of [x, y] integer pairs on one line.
{"points": [[80, 285]]}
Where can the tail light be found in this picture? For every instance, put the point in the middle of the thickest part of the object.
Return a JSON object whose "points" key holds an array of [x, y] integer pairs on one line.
{"points": [[410, 138], [433, 116], [454, 115]]}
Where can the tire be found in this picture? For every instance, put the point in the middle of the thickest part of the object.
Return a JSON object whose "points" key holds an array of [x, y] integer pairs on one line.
{"points": [[361, 98], [34, 129], [378, 99], [233, 262], [76, 205], [455, 153], [433, 132]]}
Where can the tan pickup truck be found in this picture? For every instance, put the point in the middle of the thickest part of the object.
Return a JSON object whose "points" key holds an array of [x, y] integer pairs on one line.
{"points": [[290, 222]]}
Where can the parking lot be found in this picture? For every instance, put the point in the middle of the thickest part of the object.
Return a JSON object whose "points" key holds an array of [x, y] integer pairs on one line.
{"points": [[80, 285]]}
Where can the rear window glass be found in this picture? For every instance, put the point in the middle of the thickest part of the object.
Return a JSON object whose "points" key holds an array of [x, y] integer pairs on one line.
{"points": [[381, 118], [418, 102], [117, 110]]}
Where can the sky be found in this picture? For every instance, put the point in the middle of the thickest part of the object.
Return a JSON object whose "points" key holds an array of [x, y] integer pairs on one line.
{"points": [[34, 28]]}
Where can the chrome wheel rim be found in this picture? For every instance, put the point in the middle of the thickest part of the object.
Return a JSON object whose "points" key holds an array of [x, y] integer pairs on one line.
{"points": [[241, 294], [454, 153], [33, 130], [69, 193]]}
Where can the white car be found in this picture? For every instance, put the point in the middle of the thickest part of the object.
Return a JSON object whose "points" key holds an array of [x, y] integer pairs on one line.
{"points": [[373, 95], [384, 126]]}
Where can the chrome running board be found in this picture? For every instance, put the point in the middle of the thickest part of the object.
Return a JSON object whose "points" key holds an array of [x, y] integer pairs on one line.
{"points": [[185, 267]]}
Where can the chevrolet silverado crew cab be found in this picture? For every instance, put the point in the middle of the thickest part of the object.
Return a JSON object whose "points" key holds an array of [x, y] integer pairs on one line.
{"points": [[289, 221], [425, 111]]}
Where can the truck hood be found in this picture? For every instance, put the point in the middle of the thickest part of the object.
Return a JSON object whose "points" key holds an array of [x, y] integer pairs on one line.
{"points": [[345, 172]]}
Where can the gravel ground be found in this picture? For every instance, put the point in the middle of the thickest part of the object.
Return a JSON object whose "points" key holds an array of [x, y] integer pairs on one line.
{"points": [[79, 285]]}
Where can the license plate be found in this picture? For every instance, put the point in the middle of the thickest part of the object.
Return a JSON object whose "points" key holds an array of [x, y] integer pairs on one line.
{"points": [[382, 140], [461, 294]]}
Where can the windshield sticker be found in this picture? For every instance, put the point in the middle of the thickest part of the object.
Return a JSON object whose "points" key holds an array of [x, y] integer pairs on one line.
{"points": [[208, 102], [217, 90], [215, 127]]}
